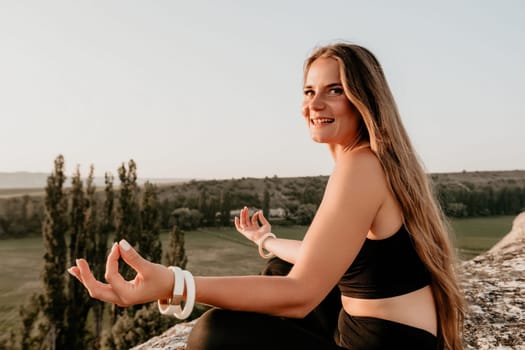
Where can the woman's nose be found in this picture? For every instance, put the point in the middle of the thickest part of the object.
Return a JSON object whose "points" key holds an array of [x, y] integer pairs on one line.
{"points": [[316, 103], [313, 104]]}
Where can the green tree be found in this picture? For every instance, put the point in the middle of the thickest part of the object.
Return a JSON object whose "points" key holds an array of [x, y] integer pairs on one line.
{"points": [[78, 301], [54, 232], [187, 219], [176, 254], [139, 323], [91, 238], [129, 330], [128, 211], [312, 194], [208, 207], [101, 246], [76, 217], [305, 213], [91, 223], [127, 223], [149, 244], [165, 212], [29, 314], [266, 203], [226, 206]]}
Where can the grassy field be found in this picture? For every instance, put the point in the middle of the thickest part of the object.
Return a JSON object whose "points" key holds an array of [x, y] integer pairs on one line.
{"points": [[19, 192], [210, 252], [476, 235]]}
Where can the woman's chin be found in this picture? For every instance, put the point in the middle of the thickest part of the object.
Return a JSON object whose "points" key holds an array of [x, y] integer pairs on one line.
{"points": [[318, 138]]}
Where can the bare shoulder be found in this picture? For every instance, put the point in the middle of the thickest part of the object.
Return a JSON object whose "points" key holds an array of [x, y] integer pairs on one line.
{"points": [[361, 167], [357, 179]]}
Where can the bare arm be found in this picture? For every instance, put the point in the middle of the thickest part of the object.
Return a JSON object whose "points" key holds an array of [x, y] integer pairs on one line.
{"points": [[286, 249], [353, 196]]}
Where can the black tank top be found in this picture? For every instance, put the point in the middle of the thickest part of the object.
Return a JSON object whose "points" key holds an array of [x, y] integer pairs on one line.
{"points": [[385, 268]]}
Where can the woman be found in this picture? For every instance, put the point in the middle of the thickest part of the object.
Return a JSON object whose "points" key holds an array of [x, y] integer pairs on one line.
{"points": [[378, 235]]}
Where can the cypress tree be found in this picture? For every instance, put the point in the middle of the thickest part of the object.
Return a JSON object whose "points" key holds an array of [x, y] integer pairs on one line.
{"points": [[29, 315], [266, 203], [91, 224], [137, 323], [225, 208], [203, 205], [82, 227], [91, 231], [165, 210], [76, 217], [99, 254], [130, 331], [127, 219], [74, 307], [128, 212], [149, 245], [54, 230], [213, 208], [176, 254]]}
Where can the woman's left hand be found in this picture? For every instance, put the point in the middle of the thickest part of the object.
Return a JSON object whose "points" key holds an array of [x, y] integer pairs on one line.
{"points": [[152, 282], [250, 227]]}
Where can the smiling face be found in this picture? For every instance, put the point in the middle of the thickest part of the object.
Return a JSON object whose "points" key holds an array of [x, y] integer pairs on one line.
{"points": [[330, 116]]}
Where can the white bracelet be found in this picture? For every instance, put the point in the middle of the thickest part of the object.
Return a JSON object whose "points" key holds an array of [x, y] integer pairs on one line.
{"points": [[260, 243], [190, 297], [170, 306]]}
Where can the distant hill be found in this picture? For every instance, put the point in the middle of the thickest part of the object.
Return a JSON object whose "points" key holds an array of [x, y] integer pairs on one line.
{"points": [[29, 180], [23, 180], [311, 188], [34, 180], [477, 179], [462, 194]]}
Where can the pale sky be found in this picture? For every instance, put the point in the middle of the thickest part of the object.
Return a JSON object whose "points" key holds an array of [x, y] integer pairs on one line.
{"points": [[212, 89]]}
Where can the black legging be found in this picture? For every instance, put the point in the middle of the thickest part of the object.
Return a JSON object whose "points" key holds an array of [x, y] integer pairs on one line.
{"points": [[225, 329]]}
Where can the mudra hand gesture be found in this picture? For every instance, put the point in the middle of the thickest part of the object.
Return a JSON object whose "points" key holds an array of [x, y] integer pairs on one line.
{"points": [[255, 232], [250, 227], [152, 282]]}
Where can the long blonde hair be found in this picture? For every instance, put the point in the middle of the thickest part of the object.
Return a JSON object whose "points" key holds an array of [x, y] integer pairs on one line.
{"points": [[367, 89]]}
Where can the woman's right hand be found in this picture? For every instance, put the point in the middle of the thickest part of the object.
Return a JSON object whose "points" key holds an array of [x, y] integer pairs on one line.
{"points": [[250, 227], [152, 282]]}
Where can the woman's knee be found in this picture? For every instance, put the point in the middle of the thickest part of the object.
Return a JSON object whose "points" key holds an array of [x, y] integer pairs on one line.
{"points": [[214, 330], [276, 267]]}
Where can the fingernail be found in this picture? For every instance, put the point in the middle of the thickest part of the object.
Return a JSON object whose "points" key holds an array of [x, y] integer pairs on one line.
{"points": [[113, 246], [70, 270], [76, 260], [124, 245]]}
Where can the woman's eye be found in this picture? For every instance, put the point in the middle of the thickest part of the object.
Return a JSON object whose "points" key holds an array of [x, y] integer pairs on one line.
{"points": [[336, 91], [308, 93]]}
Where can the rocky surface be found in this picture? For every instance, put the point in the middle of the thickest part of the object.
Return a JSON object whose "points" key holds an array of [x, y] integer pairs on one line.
{"points": [[173, 339], [494, 285]]}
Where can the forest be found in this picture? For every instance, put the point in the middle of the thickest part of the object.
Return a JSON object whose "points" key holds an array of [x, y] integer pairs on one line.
{"points": [[209, 203]]}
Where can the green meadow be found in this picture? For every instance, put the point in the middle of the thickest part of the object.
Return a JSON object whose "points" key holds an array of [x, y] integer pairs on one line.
{"points": [[216, 251]]}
